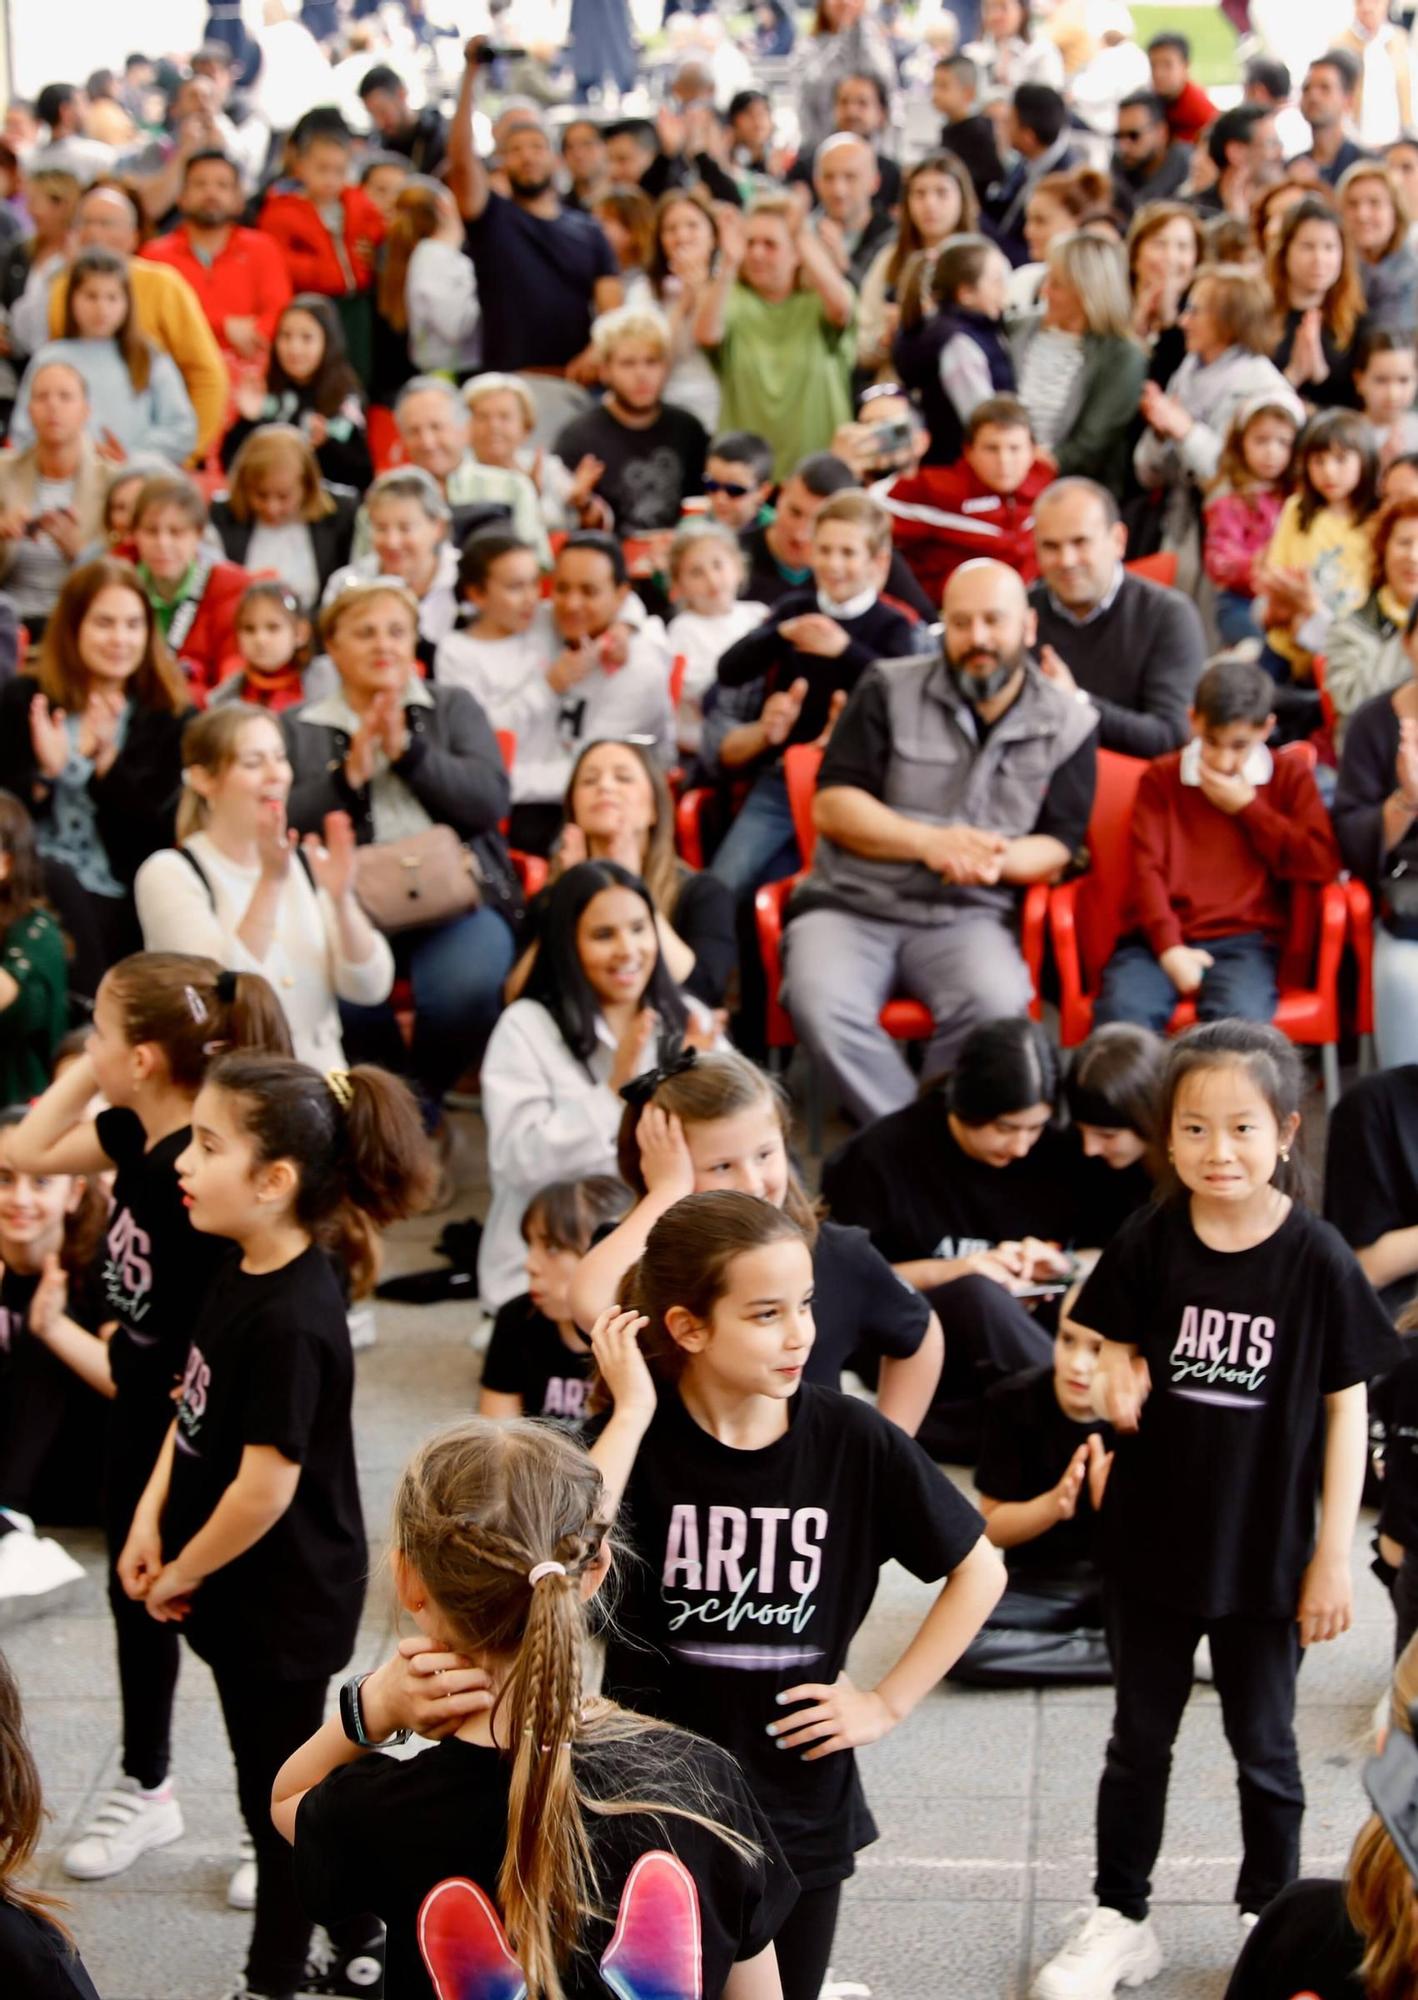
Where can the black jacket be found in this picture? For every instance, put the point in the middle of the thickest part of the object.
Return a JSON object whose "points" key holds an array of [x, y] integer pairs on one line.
{"points": [[916, 357], [136, 800], [330, 536], [973, 142]]}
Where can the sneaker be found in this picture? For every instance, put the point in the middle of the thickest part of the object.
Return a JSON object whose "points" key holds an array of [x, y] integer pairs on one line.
{"points": [[1110, 1949], [1248, 1920], [126, 1825], [363, 1329], [329, 1971], [241, 1890], [36, 1575], [1202, 1669]]}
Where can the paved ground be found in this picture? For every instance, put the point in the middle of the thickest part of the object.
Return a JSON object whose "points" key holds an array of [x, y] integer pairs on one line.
{"points": [[985, 1801]]}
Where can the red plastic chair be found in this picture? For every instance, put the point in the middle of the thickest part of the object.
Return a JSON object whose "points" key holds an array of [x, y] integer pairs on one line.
{"points": [[1085, 919], [1161, 568], [386, 447], [1360, 904]]}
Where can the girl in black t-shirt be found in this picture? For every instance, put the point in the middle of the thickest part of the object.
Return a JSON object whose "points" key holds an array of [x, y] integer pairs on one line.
{"points": [[249, 1533], [714, 1121], [762, 1510], [550, 1830], [1112, 1091], [158, 1019], [1239, 1333], [52, 1416], [537, 1364], [38, 1958]]}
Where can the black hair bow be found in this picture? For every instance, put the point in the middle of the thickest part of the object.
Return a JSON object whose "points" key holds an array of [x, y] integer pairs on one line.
{"points": [[642, 1088]]}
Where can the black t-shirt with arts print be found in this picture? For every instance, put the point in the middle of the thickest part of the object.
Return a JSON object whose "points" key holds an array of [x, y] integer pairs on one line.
{"points": [[753, 1572], [527, 1357], [420, 1841], [1211, 1502], [859, 1306], [270, 1364], [154, 1267]]}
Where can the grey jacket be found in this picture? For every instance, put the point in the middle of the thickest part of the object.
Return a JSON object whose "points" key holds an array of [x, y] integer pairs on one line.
{"points": [[938, 772], [1364, 656]]}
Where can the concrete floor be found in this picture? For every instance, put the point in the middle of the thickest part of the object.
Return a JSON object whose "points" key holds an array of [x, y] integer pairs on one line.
{"points": [[984, 1800]]}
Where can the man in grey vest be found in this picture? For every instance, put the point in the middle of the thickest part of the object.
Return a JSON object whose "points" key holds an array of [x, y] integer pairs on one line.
{"points": [[951, 782]]}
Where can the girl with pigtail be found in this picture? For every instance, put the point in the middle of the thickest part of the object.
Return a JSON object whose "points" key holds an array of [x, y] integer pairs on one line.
{"points": [[552, 1841], [762, 1508], [159, 1018], [249, 1533]]}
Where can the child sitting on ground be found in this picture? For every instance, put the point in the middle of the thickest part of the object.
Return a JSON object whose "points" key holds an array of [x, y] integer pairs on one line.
{"points": [[706, 571], [983, 505], [1220, 831], [537, 1364], [1044, 1461], [787, 682]]}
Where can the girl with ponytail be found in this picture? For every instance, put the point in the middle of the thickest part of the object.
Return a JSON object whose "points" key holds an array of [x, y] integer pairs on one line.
{"points": [[159, 1018], [249, 1534], [762, 1508], [551, 1834]]}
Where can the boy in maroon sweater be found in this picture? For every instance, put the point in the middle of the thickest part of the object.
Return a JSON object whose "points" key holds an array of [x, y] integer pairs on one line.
{"points": [[983, 505], [1219, 833]]}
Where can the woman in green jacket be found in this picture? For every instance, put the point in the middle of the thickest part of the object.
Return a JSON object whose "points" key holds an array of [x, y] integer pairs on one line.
{"points": [[1079, 368]]}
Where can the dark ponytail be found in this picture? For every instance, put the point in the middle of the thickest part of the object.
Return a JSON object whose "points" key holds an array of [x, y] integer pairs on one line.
{"points": [[193, 1010], [357, 1143]]}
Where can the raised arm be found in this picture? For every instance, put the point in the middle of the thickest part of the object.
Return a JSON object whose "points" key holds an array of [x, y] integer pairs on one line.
{"points": [[821, 275], [466, 174], [54, 1136]]}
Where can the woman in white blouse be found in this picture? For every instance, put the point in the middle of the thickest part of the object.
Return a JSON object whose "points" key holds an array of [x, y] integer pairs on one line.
{"points": [[236, 888], [597, 1010]]}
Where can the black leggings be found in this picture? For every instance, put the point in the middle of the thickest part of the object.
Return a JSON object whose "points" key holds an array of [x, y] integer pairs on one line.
{"points": [[804, 1943], [148, 1653], [265, 1722]]}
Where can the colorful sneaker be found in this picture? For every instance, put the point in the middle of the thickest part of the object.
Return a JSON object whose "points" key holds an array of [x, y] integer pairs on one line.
{"points": [[1108, 1950], [329, 1971], [241, 1890], [127, 1823]]}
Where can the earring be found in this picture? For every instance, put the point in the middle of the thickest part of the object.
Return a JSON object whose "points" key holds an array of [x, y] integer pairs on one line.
{"points": [[1285, 1156], [417, 1607]]}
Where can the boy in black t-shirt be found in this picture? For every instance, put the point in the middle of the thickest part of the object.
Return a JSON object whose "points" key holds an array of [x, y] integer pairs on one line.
{"points": [[652, 453], [537, 1364], [1044, 1463]]}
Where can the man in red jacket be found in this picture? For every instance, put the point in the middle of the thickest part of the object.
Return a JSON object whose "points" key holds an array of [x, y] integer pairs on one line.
{"points": [[238, 274], [1221, 832], [327, 230], [983, 505], [1189, 109]]}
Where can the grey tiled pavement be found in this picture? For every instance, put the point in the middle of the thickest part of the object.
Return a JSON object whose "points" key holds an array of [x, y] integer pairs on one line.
{"points": [[985, 1801]]}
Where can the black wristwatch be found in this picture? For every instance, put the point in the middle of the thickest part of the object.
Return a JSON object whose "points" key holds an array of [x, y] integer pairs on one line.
{"points": [[352, 1717]]}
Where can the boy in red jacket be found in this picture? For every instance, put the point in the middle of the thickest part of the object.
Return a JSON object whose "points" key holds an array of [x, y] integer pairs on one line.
{"points": [[983, 505], [1220, 832], [194, 594], [1189, 109], [328, 231]]}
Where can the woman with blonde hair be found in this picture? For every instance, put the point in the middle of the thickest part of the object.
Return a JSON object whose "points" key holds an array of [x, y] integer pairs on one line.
{"points": [[1375, 208], [1355, 1938], [1314, 281], [426, 288], [1080, 371], [278, 514], [238, 888]]}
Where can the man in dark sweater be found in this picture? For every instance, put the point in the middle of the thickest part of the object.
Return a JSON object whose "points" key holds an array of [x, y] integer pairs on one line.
{"points": [[967, 132], [786, 682], [1130, 647], [1149, 162]]}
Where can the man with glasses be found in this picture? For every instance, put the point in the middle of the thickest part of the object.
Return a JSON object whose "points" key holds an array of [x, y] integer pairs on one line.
{"points": [[1148, 161]]}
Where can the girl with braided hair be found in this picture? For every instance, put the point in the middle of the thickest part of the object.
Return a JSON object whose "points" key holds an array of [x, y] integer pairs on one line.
{"points": [[249, 1534], [553, 1844]]}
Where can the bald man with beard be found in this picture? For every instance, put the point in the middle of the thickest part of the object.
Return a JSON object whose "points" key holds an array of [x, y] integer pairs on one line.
{"points": [[989, 770], [168, 310]]}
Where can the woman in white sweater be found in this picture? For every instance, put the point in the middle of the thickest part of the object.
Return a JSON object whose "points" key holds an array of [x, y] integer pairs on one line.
{"points": [[237, 888], [426, 283], [599, 1009]]}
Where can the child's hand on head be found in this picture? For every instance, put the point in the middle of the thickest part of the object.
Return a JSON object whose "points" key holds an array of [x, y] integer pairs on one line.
{"points": [[665, 1159], [615, 1342], [427, 1687]]}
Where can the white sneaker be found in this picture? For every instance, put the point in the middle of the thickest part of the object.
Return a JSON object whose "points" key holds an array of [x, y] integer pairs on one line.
{"points": [[1248, 1919], [1202, 1669], [1110, 1949], [364, 1330], [241, 1890], [36, 1574], [126, 1825]]}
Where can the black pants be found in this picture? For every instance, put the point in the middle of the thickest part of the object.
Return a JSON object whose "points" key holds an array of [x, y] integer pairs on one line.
{"points": [[988, 1335], [804, 1944], [1405, 1600], [1046, 1631], [265, 1721], [1255, 1662], [149, 1654]]}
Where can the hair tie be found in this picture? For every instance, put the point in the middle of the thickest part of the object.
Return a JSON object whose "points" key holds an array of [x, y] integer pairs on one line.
{"points": [[539, 1570], [226, 987], [340, 1087], [642, 1088], [196, 1005]]}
